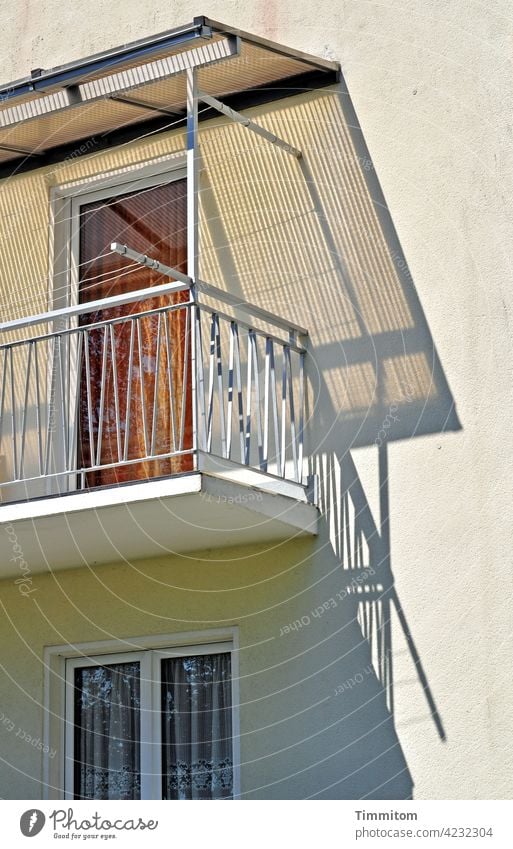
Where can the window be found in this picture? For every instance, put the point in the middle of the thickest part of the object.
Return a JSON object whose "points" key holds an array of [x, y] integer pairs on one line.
{"points": [[150, 724]]}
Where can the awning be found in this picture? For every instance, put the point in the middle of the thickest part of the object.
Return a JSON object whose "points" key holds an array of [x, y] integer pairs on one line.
{"points": [[119, 89]]}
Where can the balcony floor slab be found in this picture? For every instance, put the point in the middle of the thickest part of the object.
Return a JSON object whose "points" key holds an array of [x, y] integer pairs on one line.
{"points": [[174, 515]]}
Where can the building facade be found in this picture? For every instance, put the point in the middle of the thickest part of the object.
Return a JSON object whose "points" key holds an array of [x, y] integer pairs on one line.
{"points": [[253, 390]]}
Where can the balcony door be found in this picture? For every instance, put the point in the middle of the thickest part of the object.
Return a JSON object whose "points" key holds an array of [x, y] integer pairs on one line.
{"points": [[134, 401]]}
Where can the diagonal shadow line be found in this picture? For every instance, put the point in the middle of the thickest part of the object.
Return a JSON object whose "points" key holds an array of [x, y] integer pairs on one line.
{"points": [[418, 665]]}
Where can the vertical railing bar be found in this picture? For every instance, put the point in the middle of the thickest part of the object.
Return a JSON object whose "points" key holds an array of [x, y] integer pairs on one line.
{"points": [[266, 403], [169, 348], [220, 389], [283, 411], [188, 330], [254, 346], [25, 408], [200, 385], [2, 401], [51, 405], [192, 342], [292, 414], [211, 360], [89, 398], [141, 384], [301, 403], [102, 394], [247, 446], [229, 404], [13, 420], [72, 460], [371, 627], [387, 655], [275, 407], [365, 627], [336, 517], [129, 387], [240, 399], [116, 390], [64, 405], [385, 607], [347, 529], [156, 389], [356, 546], [378, 608], [39, 424], [360, 547], [380, 643], [67, 348], [383, 650], [375, 637]]}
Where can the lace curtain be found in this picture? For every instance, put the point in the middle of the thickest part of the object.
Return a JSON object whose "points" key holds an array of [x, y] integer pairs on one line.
{"points": [[107, 718], [197, 728]]}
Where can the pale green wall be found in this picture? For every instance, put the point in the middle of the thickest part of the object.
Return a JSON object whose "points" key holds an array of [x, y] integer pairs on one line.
{"points": [[297, 736]]}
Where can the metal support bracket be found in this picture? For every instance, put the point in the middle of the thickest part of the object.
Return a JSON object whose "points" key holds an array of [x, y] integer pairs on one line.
{"points": [[142, 259], [250, 125]]}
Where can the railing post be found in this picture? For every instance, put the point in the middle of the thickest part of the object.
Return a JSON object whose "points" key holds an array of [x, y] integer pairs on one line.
{"points": [[192, 242]]}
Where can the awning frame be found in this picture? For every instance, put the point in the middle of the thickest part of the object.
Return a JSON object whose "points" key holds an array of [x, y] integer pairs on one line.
{"points": [[116, 74]]}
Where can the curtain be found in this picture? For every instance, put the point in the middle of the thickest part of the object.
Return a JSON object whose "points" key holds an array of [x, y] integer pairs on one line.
{"points": [[150, 403], [107, 732], [197, 728]]}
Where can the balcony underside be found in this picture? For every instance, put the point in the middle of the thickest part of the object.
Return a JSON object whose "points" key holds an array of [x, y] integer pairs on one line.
{"points": [[174, 515]]}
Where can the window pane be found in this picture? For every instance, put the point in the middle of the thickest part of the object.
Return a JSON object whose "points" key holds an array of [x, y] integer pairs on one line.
{"points": [[107, 732], [197, 727]]}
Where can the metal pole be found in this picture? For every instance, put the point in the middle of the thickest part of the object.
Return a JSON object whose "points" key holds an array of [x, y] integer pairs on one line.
{"points": [[193, 240], [166, 270], [251, 125]]}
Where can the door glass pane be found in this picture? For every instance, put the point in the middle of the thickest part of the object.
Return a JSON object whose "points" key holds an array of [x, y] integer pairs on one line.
{"points": [[135, 399], [197, 760], [107, 732]]}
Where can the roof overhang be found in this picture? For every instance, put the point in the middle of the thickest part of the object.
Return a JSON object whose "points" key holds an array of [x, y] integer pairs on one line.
{"points": [[118, 90]]}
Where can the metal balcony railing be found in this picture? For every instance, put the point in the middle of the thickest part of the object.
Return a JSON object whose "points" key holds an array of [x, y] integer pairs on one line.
{"points": [[144, 385]]}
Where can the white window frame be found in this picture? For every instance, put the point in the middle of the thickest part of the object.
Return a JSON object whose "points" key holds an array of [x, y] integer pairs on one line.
{"points": [[111, 189], [64, 250], [60, 663]]}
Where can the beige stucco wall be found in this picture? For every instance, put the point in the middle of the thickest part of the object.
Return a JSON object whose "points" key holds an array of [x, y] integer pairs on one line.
{"points": [[431, 88]]}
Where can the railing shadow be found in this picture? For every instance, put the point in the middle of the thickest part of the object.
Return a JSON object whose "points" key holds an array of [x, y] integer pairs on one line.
{"points": [[365, 556]]}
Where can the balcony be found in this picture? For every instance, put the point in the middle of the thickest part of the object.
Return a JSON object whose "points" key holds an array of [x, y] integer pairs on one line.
{"points": [[150, 422]]}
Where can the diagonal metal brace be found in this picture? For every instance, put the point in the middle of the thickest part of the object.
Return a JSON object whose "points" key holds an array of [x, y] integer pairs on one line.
{"points": [[246, 122]]}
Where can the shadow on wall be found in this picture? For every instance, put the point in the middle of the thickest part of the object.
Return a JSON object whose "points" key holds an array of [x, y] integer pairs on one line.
{"points": [[314, 241]]}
